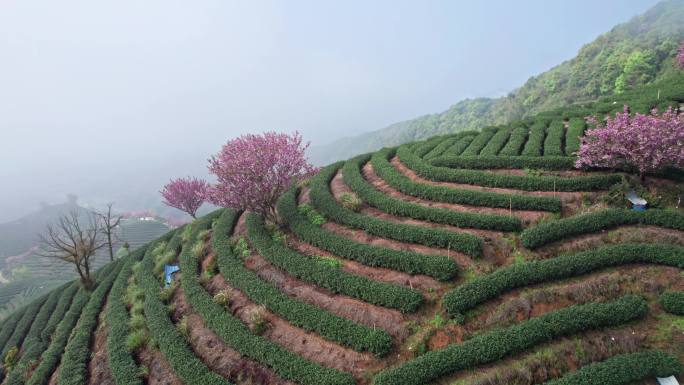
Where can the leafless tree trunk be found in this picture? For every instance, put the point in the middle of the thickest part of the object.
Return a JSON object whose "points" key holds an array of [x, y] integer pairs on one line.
{"points": [[75, 239], [109, 222]]}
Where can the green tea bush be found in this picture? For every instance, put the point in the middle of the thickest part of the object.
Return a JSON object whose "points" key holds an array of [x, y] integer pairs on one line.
{"points": [[498, 162], [623, 369], [480, 141], [535, 140], [50, 359], [20, 331], [481, 289], [356, 181], [41, 331], [460, 145], [300, 314], [515, 142], [521, 182], [673, 302], [552, 231], [401, 182], [553, 144], [382, 294], [120, 340], [238, 336], [73, 369], [502, 343], [497, 142], [437, 266], [576, 128], [322, 199]]}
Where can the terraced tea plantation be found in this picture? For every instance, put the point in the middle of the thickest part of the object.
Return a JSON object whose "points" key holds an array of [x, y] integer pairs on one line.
{"points": [[472, 258]]}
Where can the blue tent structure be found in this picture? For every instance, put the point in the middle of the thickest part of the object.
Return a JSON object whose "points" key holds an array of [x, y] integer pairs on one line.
{"points": [[638, 204], [169, 270]]}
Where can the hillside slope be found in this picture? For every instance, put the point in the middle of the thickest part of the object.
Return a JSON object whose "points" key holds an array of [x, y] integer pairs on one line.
{"points": [[638, 52], [471, 258]]}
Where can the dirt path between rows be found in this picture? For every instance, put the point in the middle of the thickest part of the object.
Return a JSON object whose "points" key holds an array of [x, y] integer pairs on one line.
{"points": [[305, 344], [98, 366], [565, 197], [420, 282], [338, 187], [219, 357], [160, 372], [571, 201], [390, 320], [361, 236]]}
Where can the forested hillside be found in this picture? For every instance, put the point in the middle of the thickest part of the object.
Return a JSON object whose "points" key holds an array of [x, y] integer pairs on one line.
{"points": [[638, 52]]}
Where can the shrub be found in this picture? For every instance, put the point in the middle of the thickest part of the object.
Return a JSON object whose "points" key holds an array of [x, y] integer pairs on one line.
{"points": [[521, 182], [441, 147], [298, 313], [480, 141], [548, 232], [535, 140], [21, 329], [576, 129], [401, 182], [478, 290], [135, 341], [497, 141], [351, 202], [237, 335], [73, 368], [515, 142], [393, 296], [437, 266], [41, 331], [312, 215], [11, 358], [502, 343], [52, 356], [553, 144], [323, 200], [460, 145], [354, 179], [257, 320], [498, 162], [673, 302], [623, 369], [223, 298]]}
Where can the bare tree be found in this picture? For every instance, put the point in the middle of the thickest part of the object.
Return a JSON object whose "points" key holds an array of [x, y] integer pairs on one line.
{"points": [[74, 238], [109, 222]]}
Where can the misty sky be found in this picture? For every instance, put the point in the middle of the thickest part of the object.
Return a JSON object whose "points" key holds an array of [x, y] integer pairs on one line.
{"points": [[109, 99]]}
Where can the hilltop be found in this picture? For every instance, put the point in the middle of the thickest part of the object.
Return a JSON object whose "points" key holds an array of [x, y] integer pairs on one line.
{"points": [[632, 54], [482, 257]]}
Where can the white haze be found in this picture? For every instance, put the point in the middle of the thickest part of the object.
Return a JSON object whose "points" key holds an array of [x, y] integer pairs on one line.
{"points": [[109, 99]]}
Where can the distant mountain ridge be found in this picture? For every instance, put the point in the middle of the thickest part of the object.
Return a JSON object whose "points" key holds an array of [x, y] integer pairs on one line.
{"points": [[634, 53]]}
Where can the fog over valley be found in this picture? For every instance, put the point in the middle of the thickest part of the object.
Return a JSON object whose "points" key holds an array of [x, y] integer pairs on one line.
{"points": [[108, 100]]}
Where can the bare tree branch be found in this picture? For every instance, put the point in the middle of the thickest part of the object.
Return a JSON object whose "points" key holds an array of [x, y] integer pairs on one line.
{"points": [[74, 239]]}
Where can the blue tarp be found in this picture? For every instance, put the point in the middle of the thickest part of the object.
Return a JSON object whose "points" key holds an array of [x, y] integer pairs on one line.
{"points": [[168, 273], [638, 204]]}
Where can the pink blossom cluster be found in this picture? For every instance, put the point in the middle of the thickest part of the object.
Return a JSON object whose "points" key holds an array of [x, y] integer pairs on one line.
{"points": [[680, 55], [645, 142], [253, 171], [186, 194]]}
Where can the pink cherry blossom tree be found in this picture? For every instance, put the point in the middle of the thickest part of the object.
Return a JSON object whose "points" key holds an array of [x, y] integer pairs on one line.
{"points": [[680, 55], [646, 143], [253, 171], [185, 194]]}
